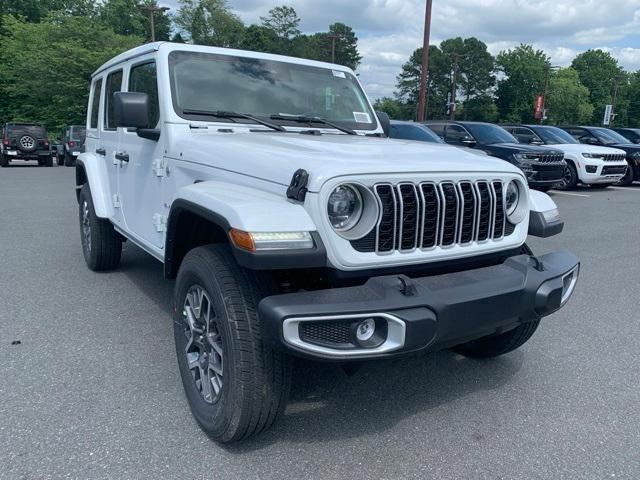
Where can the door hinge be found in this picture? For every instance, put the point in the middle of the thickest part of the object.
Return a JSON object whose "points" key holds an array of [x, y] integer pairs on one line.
{"points": [[159, 168], [116, 201], [159, 221]]}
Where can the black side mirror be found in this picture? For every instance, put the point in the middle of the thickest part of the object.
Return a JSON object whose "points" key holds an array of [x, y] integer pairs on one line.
{"points": [[131, 109], [590, 141], [535, 141], [468, 140], [385, 122]]}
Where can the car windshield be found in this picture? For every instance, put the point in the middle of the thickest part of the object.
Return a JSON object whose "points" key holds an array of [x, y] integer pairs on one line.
{"points": [[35, 130], [553, 135], [408, 131], [487, 134], [78, 133], [608, 137], [213, 82]]}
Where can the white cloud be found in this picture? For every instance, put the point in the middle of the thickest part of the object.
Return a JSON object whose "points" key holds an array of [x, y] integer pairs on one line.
{"points": [[389, 30]]}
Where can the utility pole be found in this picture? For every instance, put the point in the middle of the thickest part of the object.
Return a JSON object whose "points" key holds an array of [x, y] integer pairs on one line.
{"points": [[615, 99], [333, 37], [425, 63], [151, 10], [454, 87], [547, 69]]}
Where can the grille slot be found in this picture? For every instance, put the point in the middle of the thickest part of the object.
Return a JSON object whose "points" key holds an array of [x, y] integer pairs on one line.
{"points": [[614, 170], [430, 215], [613, 157], [335, 333]]}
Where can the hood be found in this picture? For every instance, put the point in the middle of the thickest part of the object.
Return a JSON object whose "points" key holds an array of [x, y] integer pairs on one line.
{"points": [[579, 148], [276, 156], [627, 147], [526, 148]]}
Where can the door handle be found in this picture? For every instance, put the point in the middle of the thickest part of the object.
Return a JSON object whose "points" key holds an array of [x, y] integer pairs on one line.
{"points": [[123, 157], [101, 151]]}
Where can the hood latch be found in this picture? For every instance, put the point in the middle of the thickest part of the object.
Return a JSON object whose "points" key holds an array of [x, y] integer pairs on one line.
{"points": [[298, 187]]}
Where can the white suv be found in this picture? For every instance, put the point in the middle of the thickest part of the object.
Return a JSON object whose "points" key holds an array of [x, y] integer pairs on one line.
{"points": [[597, 166], [293, 225]]}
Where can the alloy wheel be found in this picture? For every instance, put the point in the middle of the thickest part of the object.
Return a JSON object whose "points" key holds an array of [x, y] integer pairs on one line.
{"points": [[204, 353]]}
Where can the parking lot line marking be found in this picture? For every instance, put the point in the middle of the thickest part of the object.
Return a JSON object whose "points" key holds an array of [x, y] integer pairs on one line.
{"points": [[572, 194], [630, 189]]}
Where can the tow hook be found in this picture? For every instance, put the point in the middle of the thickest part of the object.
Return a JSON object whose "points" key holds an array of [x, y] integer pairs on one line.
{"points": [[537, 264], [407, 286]]}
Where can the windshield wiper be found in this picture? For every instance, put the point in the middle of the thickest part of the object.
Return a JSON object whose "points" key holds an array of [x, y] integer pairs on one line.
{"points": [[305, 119], [232, 115]]}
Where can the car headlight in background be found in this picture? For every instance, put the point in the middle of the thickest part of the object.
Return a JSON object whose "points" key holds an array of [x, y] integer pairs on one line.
{"points": [[344, 207], [592, 155]]}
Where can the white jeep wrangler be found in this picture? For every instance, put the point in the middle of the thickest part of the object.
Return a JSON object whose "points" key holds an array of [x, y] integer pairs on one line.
{"points": [[293, 225]]}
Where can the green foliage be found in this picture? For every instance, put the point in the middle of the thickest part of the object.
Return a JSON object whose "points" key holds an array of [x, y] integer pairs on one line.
{"points": [[319, 46], [481, 108], [45, 68], [394, 108], [524, 73], [567, 99], [599, 72], [284, 21], [125, 18], [633, 109], [210, 22]]}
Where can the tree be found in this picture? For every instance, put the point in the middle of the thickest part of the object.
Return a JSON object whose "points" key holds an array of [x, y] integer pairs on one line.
{"points": [[524, 72], [319, 46], [31, 89], [283, 21], [600, 72], [210, 22], [125, 18], [633, 110], [261, 39], [567, 99], [394, 108]]}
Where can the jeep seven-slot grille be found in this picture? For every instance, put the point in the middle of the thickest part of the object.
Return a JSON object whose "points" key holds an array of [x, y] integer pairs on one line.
{"points": [[545, 158], [614, 157], [429, 215]]}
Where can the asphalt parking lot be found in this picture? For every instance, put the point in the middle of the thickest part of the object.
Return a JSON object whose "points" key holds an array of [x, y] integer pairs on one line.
{"points": [[92, 390]]}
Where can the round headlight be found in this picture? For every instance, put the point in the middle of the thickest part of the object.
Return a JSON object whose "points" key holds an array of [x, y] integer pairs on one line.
{"points": [[344, 207], [511, 197]]}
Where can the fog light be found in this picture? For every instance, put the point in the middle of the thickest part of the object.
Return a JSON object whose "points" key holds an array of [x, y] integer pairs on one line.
{"points": [[569, 284], [365, 330], [591, 168]]}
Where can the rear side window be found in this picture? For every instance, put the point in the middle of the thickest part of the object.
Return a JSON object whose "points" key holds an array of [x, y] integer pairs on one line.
{"points": [[113, 85], [95, 103], [143, 79], [438, 129], [456, 133]]}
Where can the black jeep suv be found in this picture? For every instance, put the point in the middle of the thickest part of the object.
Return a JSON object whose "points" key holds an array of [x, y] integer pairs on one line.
{"points": [[543, 166], [72, 144], [25, 141], [608, 138]]}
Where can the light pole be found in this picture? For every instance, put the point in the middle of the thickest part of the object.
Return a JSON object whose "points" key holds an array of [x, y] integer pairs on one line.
{"points": [[425, 63], [151, 10]]}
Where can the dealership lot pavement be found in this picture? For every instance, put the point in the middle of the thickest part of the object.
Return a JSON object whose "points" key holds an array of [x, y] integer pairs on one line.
{"points": [[92, 389]]}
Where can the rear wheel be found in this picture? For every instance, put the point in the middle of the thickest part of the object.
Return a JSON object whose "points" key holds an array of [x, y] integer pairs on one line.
{"points": [[4, 161], [48, 161], [69, 160], [569, 177], [628, 177], [235, 385], [101, 244], [60, 160]]}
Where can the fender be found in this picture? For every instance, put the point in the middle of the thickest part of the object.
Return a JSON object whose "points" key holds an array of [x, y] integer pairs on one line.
{"points": [[95, 169], [544, 219]]}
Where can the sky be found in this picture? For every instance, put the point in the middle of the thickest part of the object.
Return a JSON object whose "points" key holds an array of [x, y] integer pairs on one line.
{"points": [[390, 30]]}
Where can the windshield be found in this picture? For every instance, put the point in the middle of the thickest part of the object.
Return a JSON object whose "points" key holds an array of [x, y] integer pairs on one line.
{"points": [[35, 130], [407, 131], [78, 133], [608, 137], [487, 134], [212, 82], [553, 135]]}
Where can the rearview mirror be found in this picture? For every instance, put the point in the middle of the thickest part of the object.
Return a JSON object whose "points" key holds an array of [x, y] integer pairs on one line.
{"points": [[131, 109], [385, 122]]}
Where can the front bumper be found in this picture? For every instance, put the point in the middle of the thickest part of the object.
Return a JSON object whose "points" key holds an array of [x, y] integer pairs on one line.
{"points": [[14, 154], [544, 176], [428, 313], [603, 172]]}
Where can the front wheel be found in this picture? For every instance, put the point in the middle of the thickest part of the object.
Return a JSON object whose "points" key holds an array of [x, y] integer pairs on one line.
{"points": [[235, 385], [4, 161], [543, 189], [601, 186], [569, 178], [628, 177]]}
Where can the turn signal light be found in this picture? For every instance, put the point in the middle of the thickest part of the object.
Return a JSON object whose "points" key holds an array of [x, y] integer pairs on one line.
{"points": [[265, 241], [242, 240]]}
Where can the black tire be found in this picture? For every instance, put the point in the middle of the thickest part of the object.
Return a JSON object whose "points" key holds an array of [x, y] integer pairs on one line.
{"points": [[40, 162], [27, 144], [628, 177], [255, 380], [60, 160], [4, 161], [48, 161], [102, 248], [543, 189], [601, 186], [569, 177], [496, 345], [69, 160]]}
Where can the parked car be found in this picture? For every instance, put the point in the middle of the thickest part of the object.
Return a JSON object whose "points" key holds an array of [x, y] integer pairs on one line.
{"points": [[306, 234], [592, 165], [543, 166], [25, 141], [631, 134], [72, 145], [608, 138], [405, 130]]}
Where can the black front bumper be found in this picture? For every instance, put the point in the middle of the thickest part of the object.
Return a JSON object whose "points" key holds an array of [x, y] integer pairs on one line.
{"points": [[436, 312], [545, 176]]}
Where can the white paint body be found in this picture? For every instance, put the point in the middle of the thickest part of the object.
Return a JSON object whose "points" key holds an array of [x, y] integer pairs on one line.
{"points": [[574, 153], [242, 175]]}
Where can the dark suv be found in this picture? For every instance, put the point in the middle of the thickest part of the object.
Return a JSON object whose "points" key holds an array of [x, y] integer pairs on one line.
{"points": [[631, 134], [543, 166], [25, 141], [608, 138], [72, 144]]}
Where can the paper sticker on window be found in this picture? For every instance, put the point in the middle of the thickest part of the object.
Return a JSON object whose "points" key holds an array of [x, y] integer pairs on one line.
{"points": [[361, 117], [339, 74]]}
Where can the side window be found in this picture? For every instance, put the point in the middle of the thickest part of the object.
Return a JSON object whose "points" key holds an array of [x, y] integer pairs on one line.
{"points": [[438, 129], [576, 133], [455, 133], [113, 85], [143, 79], [524, 135], [95, 103]]}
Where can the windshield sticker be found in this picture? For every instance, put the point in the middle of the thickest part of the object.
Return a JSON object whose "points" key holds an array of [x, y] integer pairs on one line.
{"points": [[361, 117], [339, 74]]}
